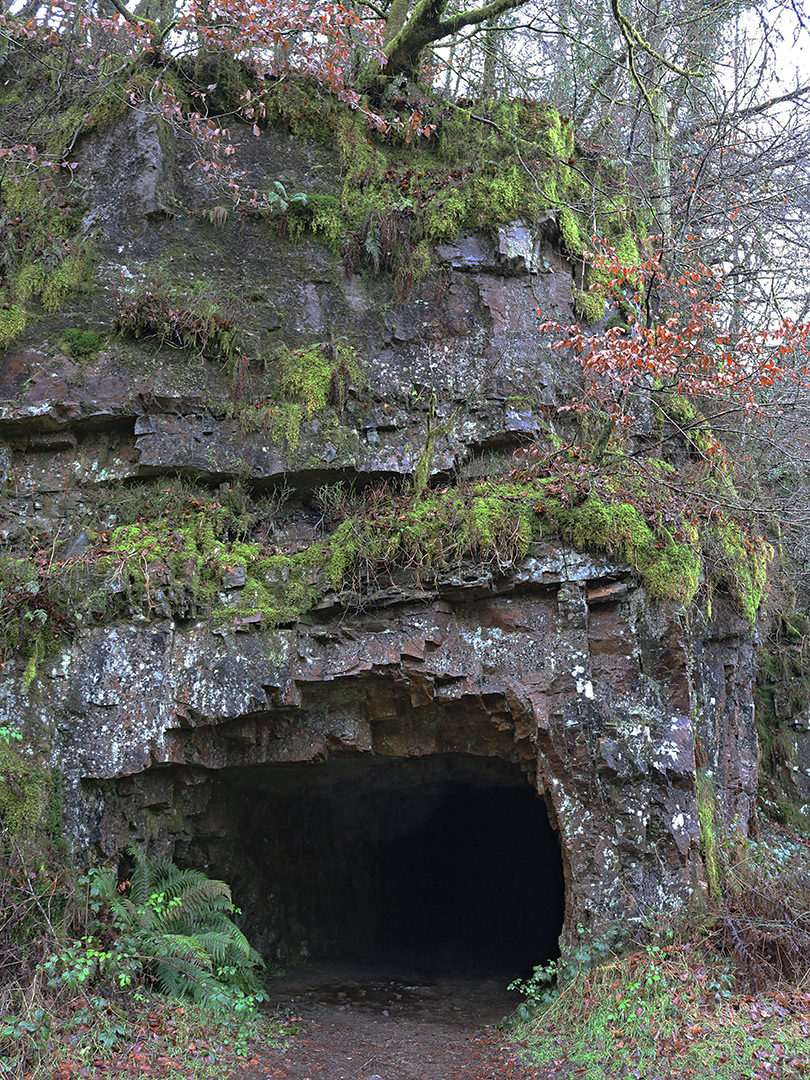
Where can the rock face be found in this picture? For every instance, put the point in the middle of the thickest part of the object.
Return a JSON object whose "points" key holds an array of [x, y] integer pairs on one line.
{"points": [[562, 669], [558, 669]]}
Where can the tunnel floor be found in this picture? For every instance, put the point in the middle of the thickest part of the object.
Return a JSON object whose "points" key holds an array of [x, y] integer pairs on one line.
{"points": [[439, 864]]}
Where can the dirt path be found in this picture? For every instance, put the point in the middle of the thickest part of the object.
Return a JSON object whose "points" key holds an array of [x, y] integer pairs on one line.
{"points": [[358, 1026]]}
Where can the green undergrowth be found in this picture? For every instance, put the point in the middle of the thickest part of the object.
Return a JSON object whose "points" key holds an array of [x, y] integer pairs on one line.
{"points": [[192, 315], [133, 1036], [623, 230], [277, 395], [481, 168], [720, 992], [176, 550], [737, 555], [309, 382], [693, 431], [669, 1013], [30, 794], [274, 393], [137, 973], [59, 92], [642, 499], [320, 216], [47, 100], [668, 559], [709, 823]]}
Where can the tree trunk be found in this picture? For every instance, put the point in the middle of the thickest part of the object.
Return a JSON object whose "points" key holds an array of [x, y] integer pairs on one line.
{"points": [[408, 32], [491, 43]]}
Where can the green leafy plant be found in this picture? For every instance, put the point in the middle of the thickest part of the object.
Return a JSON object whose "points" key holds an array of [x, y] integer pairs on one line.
{"points": [[276, 200], [173, 927], [78, 987], [546, 981]]}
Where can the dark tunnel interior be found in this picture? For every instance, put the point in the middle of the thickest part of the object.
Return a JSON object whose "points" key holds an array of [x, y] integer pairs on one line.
{"points": [[443, 864]]}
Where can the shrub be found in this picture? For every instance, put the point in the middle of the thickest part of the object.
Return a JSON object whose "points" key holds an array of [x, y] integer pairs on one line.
{"points": [[194, 319], [83, 957], [172, 927]]}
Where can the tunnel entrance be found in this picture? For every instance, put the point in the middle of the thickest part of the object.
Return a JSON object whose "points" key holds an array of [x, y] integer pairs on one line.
{"points": [[445, 863]]}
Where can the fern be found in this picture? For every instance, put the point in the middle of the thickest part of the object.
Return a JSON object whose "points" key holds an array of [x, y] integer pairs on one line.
{"points": [[179, 922]]}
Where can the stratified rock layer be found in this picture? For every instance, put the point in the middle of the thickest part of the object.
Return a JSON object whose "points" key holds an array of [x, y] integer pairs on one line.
{"points": [[560, 665]]}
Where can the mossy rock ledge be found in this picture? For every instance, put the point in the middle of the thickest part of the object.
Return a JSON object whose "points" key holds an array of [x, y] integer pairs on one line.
{"points": [[239, 587]]}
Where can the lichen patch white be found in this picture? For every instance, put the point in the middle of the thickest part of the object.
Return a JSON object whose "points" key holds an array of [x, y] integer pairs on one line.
{"points": [[670, 749], [585, 688]]}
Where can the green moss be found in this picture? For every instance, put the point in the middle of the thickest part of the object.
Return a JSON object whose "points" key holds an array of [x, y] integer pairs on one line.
{"points": [[669, 569], [12, 323], [312, 381], [597, 282], [743, 563], [782, 695], [344, 549], [444, 217], [672, 570], [177, 566], [433, 533], [420, 261], [80, 344], [506, 192], [30, 672], [96, 100], [597, 431], [691, 424], [321, 217], [280, 394], [589, 305], [320, 375], [61, 282], [570, 232], [286, 418], [29, 793], [491, 516], [470, 175], [707, 819], [32, 614], [176, 551], [41, 257], [303, 109], [626, 249]]}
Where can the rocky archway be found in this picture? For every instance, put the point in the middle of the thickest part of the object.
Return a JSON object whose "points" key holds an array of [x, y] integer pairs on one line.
{"points": [[566, 675], [372, 826]]}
